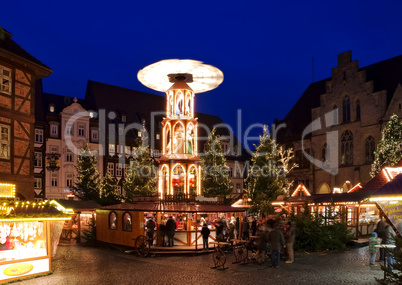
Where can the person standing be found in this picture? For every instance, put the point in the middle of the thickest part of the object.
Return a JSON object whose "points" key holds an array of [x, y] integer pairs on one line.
{"points": [[261, 244], [162, 229], [254, 226], [205, 236], [150, 230], [245, 227], [388, 238], [380, 232], [276, 240], [373, 241], [170, 230], [290, 240], [219, 229]]}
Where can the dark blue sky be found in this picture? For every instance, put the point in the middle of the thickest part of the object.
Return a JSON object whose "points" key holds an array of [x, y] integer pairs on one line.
{"points": [[264, 48]]}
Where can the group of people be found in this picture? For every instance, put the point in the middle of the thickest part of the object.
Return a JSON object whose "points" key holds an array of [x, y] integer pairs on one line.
{"points": [[382, 234], [272, 234], [167, 229]]}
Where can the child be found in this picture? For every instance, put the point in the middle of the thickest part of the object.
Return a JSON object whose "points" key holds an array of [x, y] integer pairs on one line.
{"points": [[205, 236], [373, 241]]}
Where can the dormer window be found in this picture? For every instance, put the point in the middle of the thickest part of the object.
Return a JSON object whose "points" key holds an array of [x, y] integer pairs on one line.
{"points": [[51, 108], [91, 114]]}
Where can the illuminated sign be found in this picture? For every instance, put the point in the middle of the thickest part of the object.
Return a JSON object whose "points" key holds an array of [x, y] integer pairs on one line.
{"points": [[22, 269], [7, 190]]}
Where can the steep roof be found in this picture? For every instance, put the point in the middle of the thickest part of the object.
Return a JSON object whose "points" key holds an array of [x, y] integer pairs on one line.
{"points": [[386, 75], [391, 188], [7, 44], [375, 183]]}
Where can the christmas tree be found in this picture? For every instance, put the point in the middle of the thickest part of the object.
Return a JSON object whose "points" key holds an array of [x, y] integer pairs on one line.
{"points": [[141, 174], [388, 152], [215, 174], [267, 180], [87, 184], [109, 194]]}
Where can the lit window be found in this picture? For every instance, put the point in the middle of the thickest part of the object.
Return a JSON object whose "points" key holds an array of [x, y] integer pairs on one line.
{"points": [[95, 135], [111, 149], [91, 114], [81, 130], [127, 222], [127, 149], [69, 180], [5, 80], [38, 136], [54, 179], [119, 169], [69, 155], [238, 188], [5, 142], [139, 134], [37, 159], [38, 183], [51, 108], [158, 136], [110, 168], [54, 130], [112, 221]]}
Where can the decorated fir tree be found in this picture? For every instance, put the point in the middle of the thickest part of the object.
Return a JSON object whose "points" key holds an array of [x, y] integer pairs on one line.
{"points": [[141, 175], [87, 184], [109, 194], [267, 180], [215, 174], [388, 152]]}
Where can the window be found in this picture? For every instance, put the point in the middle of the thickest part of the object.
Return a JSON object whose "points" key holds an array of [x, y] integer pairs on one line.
{"points": [[37, 159], [123, 118], [111, 149], [127, 222], [54, 149], [230, 172], [54, 130], [346, 109], [38, 182], [110, 168], [5, 80], [158, 136], [139, 134], [51, 108], [347, 148], [95, 135], [38, 136], [119, 169], [81, 130], [112, 221], [127, 149], [69, 180], [358, 110], [5, 142], [69, 155], [238, 188], [369, 148], [69, 130], [54, 179], [91, 114], [335, 113], [118, 189]]}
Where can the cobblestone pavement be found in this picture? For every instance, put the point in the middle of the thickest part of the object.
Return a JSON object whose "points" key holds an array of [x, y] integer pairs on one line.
{"points": [[84, 265]]}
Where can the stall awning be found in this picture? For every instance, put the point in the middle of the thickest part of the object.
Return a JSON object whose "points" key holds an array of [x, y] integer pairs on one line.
{"points": [[394, 187], [173, 207], [343, 197]]}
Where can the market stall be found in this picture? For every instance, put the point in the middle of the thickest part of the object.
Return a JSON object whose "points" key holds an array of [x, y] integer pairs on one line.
{"points": [[29, 234]]}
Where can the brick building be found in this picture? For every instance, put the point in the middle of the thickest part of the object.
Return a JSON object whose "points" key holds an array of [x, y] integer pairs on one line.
{"points": [[19, 72], [338, 121]]}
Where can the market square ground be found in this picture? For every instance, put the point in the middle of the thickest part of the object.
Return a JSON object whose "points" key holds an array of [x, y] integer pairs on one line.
{"points": [[84, 265]]}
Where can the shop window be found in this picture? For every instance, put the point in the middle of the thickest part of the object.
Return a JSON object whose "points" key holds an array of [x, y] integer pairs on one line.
{"points": [[347, 148], [5, 80], [369, 148], [127, 222], [112, 221], [5, 142], [38, 136]]}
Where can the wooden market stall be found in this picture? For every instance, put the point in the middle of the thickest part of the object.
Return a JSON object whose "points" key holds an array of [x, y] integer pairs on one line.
{"points": [[121, 223], [29, 234]]}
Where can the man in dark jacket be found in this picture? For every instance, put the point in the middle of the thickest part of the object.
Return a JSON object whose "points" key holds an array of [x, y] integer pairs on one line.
{"points": [[245, 227], [150, 230], [277, 240], [170, 230], [219, 229], [380, 232], [254, 226], [205, 236]]}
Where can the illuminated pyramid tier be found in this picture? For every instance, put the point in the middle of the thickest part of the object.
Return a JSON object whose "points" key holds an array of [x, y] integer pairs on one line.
{"points": [[180, 167]]}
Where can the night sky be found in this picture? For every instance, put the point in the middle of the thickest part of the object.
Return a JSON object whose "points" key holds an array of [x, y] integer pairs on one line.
{"points": [[264, 48]]}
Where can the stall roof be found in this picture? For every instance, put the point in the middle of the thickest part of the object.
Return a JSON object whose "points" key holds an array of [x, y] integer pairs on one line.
{"points": [[343, 197], [391, 188], [172, 207], [79, 204]]}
